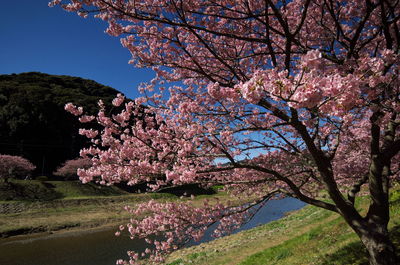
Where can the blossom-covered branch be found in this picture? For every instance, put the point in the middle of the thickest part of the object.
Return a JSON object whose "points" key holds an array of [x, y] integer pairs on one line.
{"points": [[297, 96]]}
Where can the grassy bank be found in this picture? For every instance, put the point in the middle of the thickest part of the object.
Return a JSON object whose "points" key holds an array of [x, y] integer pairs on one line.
{"points": [[34, 190], [59, 205], [73, 213], [308, 236], [46, 206]]}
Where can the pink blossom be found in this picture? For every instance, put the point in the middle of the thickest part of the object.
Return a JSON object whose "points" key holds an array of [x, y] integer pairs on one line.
{"points": [[118, 100], [69, 168], [86, 118], [14, 167], [89, 133], [71, 108], [305, 102], [312, 59]]}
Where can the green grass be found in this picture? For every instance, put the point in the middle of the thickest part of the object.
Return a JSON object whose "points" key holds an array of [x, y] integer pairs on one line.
{"points": [[75, 189], [41, 206], [308, 236], [32, 190], [36, 190], [320, 240]]}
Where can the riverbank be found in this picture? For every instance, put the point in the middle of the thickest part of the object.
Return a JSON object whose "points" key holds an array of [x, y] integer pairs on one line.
{"points": [[79, 207], [100, 246], [307, 236], [78, 213]]}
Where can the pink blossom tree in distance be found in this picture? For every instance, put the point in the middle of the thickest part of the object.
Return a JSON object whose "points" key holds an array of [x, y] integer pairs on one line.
{"points": [[14, 167], [265, 97], [69, 168]]}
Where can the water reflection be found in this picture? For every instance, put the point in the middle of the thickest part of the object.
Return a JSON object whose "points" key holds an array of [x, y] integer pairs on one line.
{"points": [[272, 210], [95, 247], [101, 247]]}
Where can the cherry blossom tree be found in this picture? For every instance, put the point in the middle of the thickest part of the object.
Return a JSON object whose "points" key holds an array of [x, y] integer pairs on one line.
{"points": [[268, 97], [14, 167], [69, 168]]}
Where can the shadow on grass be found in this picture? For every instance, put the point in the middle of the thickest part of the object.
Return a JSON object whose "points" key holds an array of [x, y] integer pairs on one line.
{"points": [[356, 254], [27, 191]]}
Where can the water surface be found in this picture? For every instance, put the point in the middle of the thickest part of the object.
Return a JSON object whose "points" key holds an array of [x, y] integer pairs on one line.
{"points": [[101, 247]]}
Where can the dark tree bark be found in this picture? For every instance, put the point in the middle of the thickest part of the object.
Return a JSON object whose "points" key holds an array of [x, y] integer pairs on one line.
{"points": [[380, 248], [375, 238]]}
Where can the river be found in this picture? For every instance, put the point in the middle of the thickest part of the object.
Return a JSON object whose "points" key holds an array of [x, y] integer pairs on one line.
{"points": [[101, 247]]}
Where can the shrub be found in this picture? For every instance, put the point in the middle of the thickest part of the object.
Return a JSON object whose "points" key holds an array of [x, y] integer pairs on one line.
{"points": [[69, 168], [14, 167]]}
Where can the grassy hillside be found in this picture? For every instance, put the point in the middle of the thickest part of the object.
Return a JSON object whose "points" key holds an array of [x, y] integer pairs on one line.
{"points": [[25, 190], [308, 236]]}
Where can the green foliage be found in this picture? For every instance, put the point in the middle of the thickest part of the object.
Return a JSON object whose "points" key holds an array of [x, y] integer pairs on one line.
{"points": [[33, 122], [217, 188], [395, 196]]}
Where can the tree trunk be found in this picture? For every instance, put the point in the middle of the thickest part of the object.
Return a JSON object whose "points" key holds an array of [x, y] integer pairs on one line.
{"points": [[380, 248]]}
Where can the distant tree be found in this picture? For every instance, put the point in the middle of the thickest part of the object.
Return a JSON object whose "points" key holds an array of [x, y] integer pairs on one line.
{"points": [[69, 169], [14, 167]]}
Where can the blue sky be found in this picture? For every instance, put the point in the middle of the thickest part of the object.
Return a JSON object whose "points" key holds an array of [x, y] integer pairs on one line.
{"points": [[34, 37]]}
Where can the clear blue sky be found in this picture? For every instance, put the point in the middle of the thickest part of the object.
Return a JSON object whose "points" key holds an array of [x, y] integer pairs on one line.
{"points": [[34, 37]]}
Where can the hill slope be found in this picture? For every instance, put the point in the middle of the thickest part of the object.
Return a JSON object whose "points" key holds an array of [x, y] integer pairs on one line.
{"points": [[33, 122]]}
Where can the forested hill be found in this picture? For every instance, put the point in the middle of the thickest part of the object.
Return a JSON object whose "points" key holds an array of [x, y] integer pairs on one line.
{"points": [[33, 122]]}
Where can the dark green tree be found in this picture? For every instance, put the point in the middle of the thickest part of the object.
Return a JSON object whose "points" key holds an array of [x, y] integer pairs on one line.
{"points": [[33, 122]]}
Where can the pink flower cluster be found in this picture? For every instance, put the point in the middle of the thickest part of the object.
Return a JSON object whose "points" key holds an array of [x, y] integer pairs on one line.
{"points": [[14, 167], [69, 168], [118, 100], [71, 108], [174, 221], [303, 100]]}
